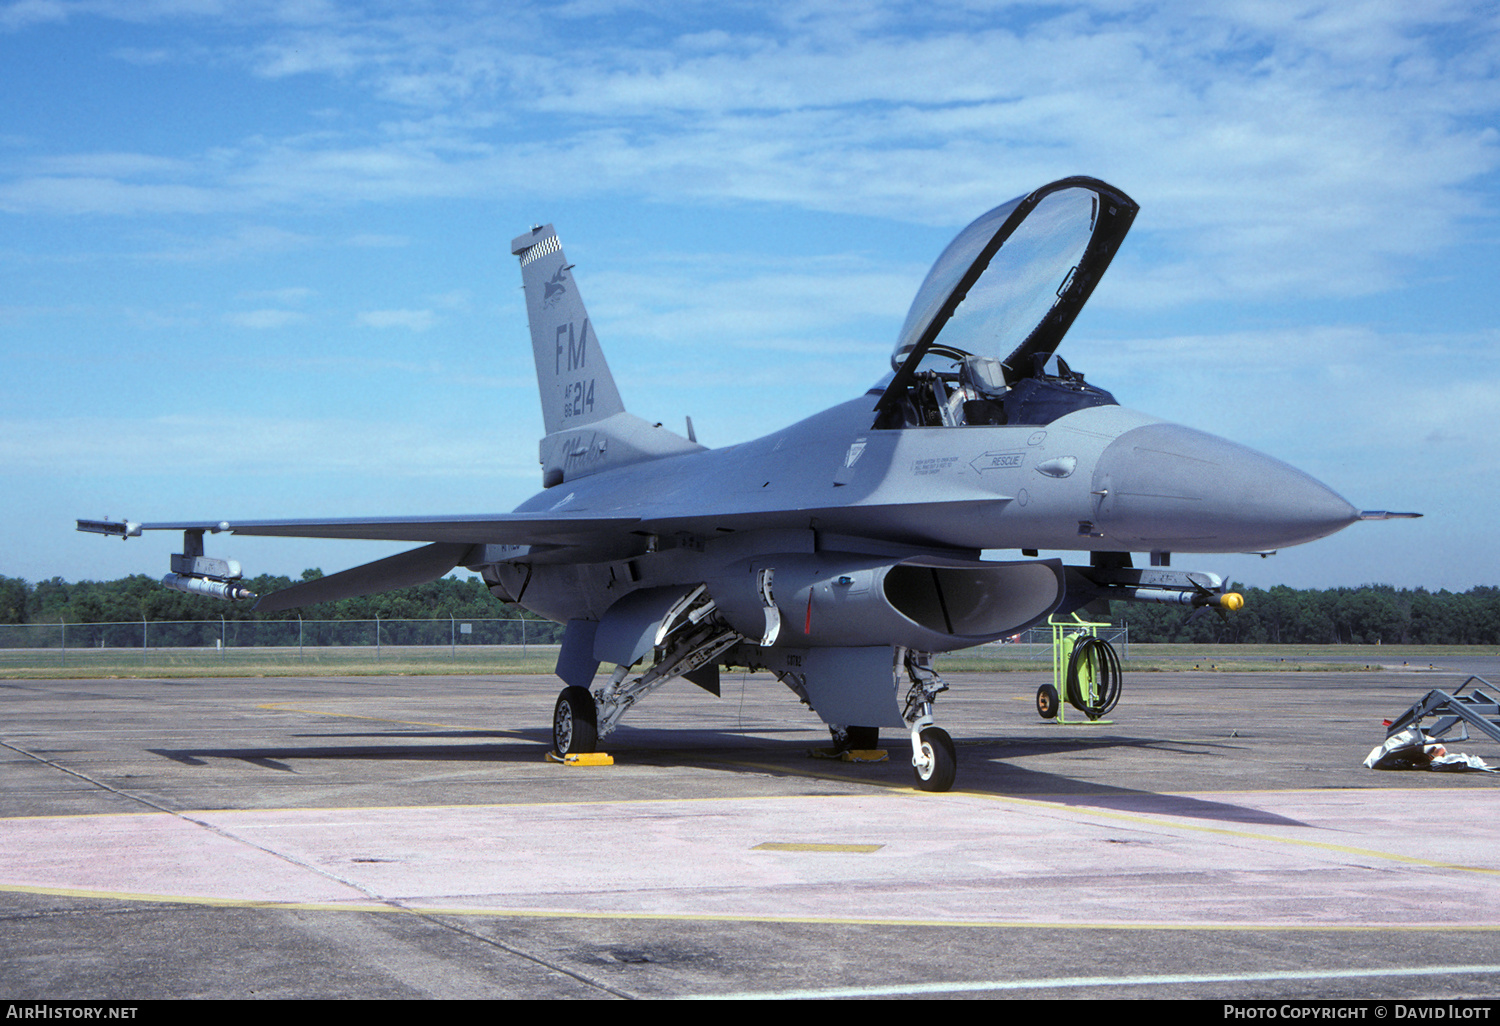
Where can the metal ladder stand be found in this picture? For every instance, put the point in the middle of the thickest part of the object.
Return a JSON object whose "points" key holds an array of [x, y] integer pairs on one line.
{"points": [[1479, 709]]}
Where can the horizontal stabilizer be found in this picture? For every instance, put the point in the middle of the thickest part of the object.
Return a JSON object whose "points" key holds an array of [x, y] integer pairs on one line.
{"points": [[405, 570]]}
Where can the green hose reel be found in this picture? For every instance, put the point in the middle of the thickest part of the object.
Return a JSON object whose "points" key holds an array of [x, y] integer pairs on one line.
{"points": [[1085, 672]]}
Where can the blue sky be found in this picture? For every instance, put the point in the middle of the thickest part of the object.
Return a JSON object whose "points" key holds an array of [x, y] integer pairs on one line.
{"points": [[254, 255]]}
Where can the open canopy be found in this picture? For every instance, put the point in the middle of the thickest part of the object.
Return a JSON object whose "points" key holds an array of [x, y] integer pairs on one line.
{"points": [[1012, 282]]}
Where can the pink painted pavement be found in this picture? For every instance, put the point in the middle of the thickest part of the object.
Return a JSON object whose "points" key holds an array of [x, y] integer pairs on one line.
{"points": [[1309, 859]]}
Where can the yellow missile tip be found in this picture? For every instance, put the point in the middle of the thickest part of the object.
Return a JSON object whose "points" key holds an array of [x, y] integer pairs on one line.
{"points": [[1232, 600]]}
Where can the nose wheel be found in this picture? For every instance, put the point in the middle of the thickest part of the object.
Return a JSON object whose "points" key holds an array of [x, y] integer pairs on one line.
{"points": [[575, 722], [933, 760]]}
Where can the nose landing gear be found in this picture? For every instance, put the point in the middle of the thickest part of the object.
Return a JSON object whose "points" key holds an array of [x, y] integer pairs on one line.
{"points": [[933, 759]]}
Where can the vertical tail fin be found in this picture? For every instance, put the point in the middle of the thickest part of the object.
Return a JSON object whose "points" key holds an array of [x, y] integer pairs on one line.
{"points": [[577, 388], [587, 427]]}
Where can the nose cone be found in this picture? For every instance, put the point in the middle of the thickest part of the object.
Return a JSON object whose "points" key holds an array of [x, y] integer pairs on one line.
{"points": [[1169, 487]]}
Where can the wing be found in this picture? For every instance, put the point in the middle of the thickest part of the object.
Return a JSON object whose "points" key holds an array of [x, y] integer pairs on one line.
{"points": [[482, 529], [453, 541], [487, 538], [541, 529]]}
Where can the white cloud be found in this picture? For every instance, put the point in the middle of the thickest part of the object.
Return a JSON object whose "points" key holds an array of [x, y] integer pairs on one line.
{"points": [[414, 320], [235, 244], [369, 240], [84, 194], [1280, 148], [454, 299], [289, 296], [741, 299], [262, 320], [26, 13], [298, 447], [1322, 397]]}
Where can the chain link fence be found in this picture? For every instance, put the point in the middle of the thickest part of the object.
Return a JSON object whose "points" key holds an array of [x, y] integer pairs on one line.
{"points": [[1038, 641], [1031, 646], [485, 646], [275, 642]]}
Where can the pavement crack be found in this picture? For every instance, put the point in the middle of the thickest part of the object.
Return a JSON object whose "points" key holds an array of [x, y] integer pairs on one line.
{"points": [[556, 967], [203, 824], [79, 774], [372, 896]]}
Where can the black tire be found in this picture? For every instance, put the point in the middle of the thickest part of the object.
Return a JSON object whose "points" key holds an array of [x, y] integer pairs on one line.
{"points": [[862, 739], [575, 722], [942, 761], [1046, 702]]}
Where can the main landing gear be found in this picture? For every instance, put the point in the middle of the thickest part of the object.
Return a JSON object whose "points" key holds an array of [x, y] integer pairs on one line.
{"points": [[575, 722], [690, 638], [581, 717], [854, 739]]}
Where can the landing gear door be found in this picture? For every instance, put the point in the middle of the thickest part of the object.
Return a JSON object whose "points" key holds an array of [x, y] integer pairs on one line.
{"points": [[853, 685], [631, 627]]}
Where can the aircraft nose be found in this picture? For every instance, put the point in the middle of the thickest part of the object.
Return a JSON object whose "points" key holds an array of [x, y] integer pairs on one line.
{"points": [[1164, 486]]}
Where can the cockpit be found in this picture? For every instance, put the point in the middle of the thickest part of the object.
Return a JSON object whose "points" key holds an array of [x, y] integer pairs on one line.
{"points": [[979, 339], [976, 392]]}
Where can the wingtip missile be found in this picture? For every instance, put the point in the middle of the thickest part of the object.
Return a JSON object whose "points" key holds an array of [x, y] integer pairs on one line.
{"points": [[119, 528]]}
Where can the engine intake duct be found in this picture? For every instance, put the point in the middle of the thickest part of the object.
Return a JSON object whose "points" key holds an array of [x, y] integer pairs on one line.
{"points": [[969, 599], [925, 603]]}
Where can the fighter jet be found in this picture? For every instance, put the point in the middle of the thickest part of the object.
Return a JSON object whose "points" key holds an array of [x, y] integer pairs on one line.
{"points": [[844, 552]]}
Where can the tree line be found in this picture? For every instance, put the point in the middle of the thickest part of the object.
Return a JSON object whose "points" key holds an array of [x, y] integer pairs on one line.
{"points": [[1280, 615], [140, 598], [1373, 614]]}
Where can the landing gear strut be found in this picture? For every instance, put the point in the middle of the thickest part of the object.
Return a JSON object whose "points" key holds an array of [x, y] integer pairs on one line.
{"points": [[933, 759], [688, 638]]}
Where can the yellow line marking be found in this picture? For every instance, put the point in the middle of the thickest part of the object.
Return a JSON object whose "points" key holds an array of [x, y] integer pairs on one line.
{"points": [[288, 707], [561, 803], [708, 917]]}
